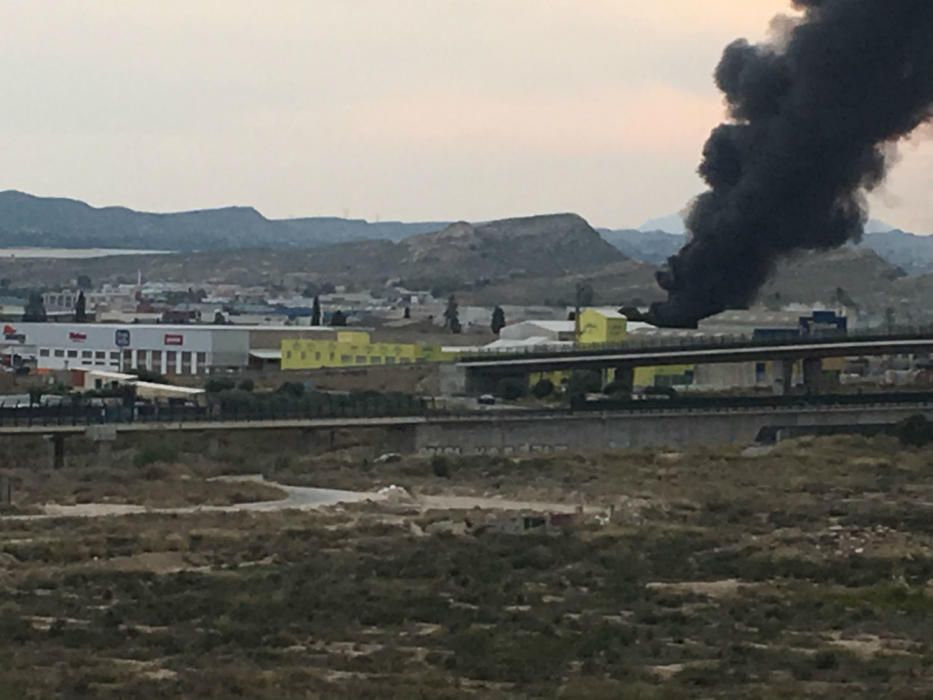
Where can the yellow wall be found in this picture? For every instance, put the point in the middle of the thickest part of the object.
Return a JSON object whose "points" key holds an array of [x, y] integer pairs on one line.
{"points": [[597, 328], [648, 376], [354, 349]]}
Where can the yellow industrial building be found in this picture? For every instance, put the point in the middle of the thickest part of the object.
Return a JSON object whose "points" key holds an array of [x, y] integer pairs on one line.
{"points": [[353, 349]]}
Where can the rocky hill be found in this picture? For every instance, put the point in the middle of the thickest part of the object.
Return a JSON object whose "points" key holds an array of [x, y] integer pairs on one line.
{"points": [[460, 256], [908, 251], [30, 221], [653, 247], [537, 246]]}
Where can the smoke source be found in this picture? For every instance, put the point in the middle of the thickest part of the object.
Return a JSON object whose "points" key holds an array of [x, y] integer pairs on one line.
{"points": [[814, 117]]}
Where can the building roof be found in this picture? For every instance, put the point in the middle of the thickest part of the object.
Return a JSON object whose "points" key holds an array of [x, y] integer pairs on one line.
{"points": [[182, 327], [606, 311], [554, 326], [266, 354]]}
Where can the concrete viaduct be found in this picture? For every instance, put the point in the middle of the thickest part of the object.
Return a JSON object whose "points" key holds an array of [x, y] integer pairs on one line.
{"points": [[518, 432], [480, 374]]}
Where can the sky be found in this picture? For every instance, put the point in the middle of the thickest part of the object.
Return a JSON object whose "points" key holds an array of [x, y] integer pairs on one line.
{"points": [[382, 109]]}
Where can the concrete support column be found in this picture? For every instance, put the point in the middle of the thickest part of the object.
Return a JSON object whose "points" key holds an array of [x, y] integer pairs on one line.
{"points": [[104, 453], [625, 376], [787, 376], [813, 375], [58, 451]]}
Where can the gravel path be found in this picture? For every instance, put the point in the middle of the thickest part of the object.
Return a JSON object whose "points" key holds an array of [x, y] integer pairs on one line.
{"points": [[300, 498]]}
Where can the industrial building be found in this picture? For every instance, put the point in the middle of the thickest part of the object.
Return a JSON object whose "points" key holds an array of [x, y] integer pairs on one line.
{"points": [[162, 348], [354, 348]]}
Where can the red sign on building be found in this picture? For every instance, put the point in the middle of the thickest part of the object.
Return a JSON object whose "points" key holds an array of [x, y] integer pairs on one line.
{"points": [[174, 339], [75, 337]]}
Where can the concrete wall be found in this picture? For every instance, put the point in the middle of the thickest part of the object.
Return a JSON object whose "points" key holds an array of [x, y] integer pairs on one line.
{"points": [[513, 435]]}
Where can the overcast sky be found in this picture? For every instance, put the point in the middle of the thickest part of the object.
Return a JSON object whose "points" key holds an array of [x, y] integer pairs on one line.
{"points": [[389, 109]]}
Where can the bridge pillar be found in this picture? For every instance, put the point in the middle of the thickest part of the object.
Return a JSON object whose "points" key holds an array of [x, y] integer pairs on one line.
{"points": [[57, 443], [213, 445], [786, 380], [625, 377], [813, 375]]}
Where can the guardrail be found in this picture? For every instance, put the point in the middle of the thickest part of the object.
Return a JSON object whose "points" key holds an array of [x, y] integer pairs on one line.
{"points": [[77, 415], [701, 342]]}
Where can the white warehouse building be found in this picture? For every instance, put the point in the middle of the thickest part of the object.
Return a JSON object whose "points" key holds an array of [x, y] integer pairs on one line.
{"points": [[162, 348]]}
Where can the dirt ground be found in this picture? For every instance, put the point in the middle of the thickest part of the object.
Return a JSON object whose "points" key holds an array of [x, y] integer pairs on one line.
{"points": [[801, 572]]}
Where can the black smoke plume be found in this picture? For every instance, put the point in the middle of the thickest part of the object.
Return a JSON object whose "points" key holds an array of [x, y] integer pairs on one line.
{"points": [[814, 116]]}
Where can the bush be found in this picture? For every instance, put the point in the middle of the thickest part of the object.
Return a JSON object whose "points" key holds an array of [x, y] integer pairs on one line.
{"points": [[916, 431], [147, 375], [543, 389], [440, 466], [246, 385], [218, 384], [511, 389], [617, 388], [155, 453], [293, 389], [586, 381]]}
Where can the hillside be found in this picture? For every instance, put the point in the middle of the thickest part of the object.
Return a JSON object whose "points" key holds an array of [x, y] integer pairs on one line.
{"points": [[458, 257], [26, 220], [537, 246], [908, 251], [653, 247], [912, 253]]}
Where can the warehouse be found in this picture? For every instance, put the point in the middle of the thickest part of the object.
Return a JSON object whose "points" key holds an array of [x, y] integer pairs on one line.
{"points": [[162, 348]]}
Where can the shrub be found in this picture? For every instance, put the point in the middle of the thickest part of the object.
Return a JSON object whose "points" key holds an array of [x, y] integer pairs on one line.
{"points": [[293, 389], [916, 431], [586, 381], [511, 389], [147, 375], [617, 388], [218, 384], [543, 389], [246, 385], [152, 454], [440, 466]]}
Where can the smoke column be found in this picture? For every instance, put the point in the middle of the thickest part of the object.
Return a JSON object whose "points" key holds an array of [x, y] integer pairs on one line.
{"points": [[814, 117]]}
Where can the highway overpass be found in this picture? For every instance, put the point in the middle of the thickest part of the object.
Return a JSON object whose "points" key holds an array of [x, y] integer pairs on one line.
{"points": [[676, 424], [482, 372]]}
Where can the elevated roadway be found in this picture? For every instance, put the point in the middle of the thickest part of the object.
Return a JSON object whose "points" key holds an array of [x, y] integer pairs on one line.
{"points": [[481, 372], [659, 424]]}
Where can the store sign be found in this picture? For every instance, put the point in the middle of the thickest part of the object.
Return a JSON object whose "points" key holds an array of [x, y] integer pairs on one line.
{"points": [[9, 333], [76, 337], [122, 338], [174, 339]]}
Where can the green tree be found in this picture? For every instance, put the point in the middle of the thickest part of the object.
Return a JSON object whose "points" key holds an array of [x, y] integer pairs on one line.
{"points": [[511, 388], [586, 295], [338, 319], [35, 309], [452, 315], [84, 282], [316, 311], [498, 320], [81, 309]]}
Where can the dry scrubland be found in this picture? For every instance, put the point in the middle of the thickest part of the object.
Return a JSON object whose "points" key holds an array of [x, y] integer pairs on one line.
{"points": [[802, 573]]}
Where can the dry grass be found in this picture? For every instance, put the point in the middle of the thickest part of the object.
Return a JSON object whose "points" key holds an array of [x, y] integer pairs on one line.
{"points": [[803, 573]]}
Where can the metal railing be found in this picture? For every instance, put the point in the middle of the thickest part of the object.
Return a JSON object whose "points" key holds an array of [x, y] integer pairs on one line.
{"points": [[698, 343], [76, 415]]}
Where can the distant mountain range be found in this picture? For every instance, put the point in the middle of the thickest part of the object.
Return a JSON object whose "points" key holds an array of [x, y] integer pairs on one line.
{"points": [[908, 251], [478, 249], [46, 222]]}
